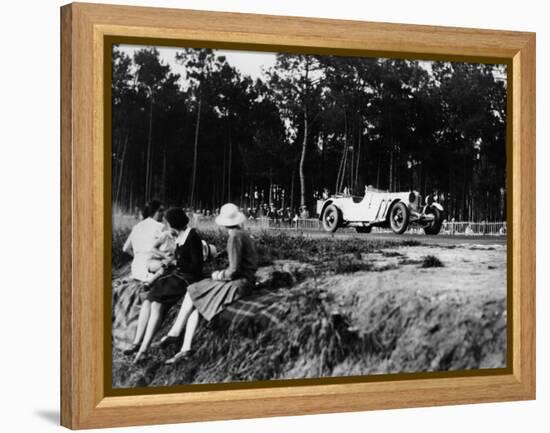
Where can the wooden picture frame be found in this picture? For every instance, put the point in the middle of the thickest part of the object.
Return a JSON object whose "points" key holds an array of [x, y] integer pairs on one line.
{"points": [[84, 217]]}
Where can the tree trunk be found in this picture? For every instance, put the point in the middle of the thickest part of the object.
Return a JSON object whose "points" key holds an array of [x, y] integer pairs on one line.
{"points": [[292, 181], [343, 178], [390, 178], [323, 174], [340, 169], [222, 194], [163, 177], [378, 170], [352, 159], [356, 182], [121, 171], [270, 188], [302, 163], [242, 201], [397, 169], [195, 151], [342, 166], [115, 165], [229, 170], [131, 200], [304, 144], [148, 155], [214, 199]]}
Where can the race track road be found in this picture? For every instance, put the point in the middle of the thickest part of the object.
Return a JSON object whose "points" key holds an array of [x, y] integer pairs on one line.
{"points": [[440, 239]]}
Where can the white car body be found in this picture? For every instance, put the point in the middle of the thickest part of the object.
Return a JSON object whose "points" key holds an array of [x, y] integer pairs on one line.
{"points": [[375, 208]]}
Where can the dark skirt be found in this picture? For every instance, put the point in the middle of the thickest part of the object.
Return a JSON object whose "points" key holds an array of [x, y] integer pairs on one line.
{"points": [[210, 296], [169, 288]]}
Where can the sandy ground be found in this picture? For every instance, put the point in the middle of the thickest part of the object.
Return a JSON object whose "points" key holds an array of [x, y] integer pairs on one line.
{"points": [[456, 313], [470, 272], [467, 267]]}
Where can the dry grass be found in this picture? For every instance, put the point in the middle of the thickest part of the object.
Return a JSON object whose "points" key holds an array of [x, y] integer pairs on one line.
{"points": [[430, 261]]}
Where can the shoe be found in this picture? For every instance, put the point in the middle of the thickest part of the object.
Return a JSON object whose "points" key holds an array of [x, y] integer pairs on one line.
{"points": [[133, 348], [186, 354], [168, 340]]}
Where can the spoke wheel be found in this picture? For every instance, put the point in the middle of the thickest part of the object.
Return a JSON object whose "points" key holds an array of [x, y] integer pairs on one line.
{"points": [[399, 218], [331, 218]]}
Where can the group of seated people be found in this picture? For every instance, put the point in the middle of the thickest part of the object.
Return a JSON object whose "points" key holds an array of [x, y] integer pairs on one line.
{"points": [[168, 258]]}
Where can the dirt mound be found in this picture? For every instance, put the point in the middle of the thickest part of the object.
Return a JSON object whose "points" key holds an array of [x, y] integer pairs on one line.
{"points": [[435, 319], [433, 333], [323, 335]]}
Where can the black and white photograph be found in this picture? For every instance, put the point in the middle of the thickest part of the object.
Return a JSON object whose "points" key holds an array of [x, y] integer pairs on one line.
{"points": [[282, 216]]}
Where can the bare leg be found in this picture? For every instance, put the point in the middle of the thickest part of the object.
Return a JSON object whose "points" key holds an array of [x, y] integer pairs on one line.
{"points": [[154, 319], [192, 323], [190, 328], [185, 310], [142, 320]]}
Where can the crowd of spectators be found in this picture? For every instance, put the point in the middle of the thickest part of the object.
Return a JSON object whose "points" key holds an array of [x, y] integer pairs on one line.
{"points": [[261, 213]]}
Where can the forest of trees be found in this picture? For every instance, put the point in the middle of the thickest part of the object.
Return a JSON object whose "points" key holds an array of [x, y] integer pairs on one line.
{"points": [[309, 123]]}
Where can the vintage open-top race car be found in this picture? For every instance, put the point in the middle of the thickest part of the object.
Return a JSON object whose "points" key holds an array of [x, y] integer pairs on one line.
{"points": [[379, 208]]}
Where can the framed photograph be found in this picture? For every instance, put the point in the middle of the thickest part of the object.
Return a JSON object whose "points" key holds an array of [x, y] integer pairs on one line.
{"points": [[265, 216]]}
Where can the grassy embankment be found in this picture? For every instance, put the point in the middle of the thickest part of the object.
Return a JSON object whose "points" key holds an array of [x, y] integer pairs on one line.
{"points": [[370, 330]]}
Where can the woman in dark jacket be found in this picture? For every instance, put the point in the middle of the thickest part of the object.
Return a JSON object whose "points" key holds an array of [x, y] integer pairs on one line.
{"points": [[172, 285], [210, 296]]}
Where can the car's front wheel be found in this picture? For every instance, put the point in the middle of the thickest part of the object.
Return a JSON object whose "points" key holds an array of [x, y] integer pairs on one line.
{"points": [[399, 217], [331, 219], [434, 226]]}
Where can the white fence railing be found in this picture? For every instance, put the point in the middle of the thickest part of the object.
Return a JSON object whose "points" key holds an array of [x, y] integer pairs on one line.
{"points": [[463, 228], [470, 228]]}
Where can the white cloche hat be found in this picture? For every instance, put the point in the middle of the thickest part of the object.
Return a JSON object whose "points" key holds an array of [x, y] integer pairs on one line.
{"points": [[230, 215]]}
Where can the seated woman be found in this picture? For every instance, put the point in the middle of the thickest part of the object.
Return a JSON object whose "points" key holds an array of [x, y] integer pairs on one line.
{"points": [[170, 287], [210, 296], [143, 238]]}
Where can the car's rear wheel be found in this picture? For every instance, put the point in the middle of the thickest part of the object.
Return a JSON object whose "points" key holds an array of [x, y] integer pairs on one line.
{"points": [[399, 218], [367, 229], [332, 218], [434, 226]]}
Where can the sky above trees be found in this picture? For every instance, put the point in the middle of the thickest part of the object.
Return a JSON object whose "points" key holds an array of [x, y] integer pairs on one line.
{"points": [[250, 63]]}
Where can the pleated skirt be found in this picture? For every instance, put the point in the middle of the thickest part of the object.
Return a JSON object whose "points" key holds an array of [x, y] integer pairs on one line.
{"points": [[210, 296]]}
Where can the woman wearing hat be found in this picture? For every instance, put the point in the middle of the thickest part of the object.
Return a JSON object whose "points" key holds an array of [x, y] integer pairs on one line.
{"points": [[210, 296], [170, 287]]}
